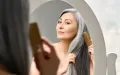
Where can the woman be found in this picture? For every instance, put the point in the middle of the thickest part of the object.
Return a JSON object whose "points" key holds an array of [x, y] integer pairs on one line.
{"points": [[72, 49], [13, 45]]}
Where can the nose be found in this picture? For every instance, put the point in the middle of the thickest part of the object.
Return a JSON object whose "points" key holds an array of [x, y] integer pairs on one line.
{"points": [[61, 26]]}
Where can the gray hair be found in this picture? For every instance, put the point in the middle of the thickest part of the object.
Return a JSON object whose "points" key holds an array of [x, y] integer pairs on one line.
{"points": [[79, 47]]}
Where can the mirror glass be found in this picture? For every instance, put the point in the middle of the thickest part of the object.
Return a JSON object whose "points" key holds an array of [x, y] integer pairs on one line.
{"points": [[48, 15]]}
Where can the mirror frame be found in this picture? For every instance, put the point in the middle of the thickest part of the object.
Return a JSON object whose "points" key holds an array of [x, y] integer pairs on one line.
{"points": [[95, 33]]}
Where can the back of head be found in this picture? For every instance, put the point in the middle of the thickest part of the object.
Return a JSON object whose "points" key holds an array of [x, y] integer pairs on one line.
{"points": [[13, 35]]}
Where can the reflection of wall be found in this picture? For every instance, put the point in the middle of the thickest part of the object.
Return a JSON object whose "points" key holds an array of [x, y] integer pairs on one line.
{"points": [[107, 12], [34, 4]]}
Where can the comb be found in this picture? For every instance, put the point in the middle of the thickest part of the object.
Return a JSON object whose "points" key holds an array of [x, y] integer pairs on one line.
{"points": [[87, 39], [35, 37]]}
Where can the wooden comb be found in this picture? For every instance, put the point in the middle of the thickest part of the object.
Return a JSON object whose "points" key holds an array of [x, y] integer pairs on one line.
{"points": [[87, 39], [35, 37]]}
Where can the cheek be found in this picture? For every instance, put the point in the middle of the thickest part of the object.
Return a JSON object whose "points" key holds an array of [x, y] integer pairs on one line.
{"points": [[71, 32]]}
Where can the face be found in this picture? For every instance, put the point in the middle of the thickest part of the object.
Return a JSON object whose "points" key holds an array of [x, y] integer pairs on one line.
{"points": [[66, 27]]}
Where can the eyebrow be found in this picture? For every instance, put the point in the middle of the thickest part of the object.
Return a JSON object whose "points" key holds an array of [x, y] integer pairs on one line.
{"points": [[65, 19]]}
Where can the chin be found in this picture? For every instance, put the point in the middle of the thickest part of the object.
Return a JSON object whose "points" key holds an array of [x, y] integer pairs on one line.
{"points": [[63, 38]]}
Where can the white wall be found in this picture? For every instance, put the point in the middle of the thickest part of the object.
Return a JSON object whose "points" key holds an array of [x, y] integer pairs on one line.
{"points": [[107, 12]]}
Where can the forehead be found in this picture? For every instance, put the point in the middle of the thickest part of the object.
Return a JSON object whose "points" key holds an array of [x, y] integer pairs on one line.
{"points": [[68, 15]]}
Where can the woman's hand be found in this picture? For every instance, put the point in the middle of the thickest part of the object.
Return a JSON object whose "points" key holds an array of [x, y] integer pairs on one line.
{"points": [[91, 52], [70, 58], [47, 61], [91, 55]]}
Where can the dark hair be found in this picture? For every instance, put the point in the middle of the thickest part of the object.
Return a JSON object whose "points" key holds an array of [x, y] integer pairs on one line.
{"points": [[13, 35], [82, 64]]}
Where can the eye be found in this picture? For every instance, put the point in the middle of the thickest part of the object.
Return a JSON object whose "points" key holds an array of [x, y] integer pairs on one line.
{"points": [[67, 23], [59, 22]]}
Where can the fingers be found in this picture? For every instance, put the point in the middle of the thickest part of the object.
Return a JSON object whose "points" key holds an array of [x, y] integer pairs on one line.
{"points": [[90, 46], [71, 57], [72, 60], [90, 50], [47, 50], [38, 57], [50, 46], [91, 56], [46, 56], [39, 52], [47, 42], [43, 53]]}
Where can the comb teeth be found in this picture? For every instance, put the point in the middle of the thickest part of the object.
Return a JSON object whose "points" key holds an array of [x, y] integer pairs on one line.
{"points": [[87, 39]]}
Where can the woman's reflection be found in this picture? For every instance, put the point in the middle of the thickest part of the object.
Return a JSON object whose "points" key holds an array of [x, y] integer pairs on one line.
{"points": [[76, 58]]}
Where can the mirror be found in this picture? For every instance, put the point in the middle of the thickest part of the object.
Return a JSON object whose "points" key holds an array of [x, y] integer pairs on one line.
{"points": [[47, 20]]}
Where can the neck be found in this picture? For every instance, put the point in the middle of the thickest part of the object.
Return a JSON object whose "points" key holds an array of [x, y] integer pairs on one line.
{"points": [[65, 46]]}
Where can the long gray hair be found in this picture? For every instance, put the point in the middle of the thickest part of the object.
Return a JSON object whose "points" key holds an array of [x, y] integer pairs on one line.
{"points": [[79, 47]]}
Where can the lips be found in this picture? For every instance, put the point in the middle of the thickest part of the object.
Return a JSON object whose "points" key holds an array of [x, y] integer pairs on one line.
{"points": [[60, 32]]}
